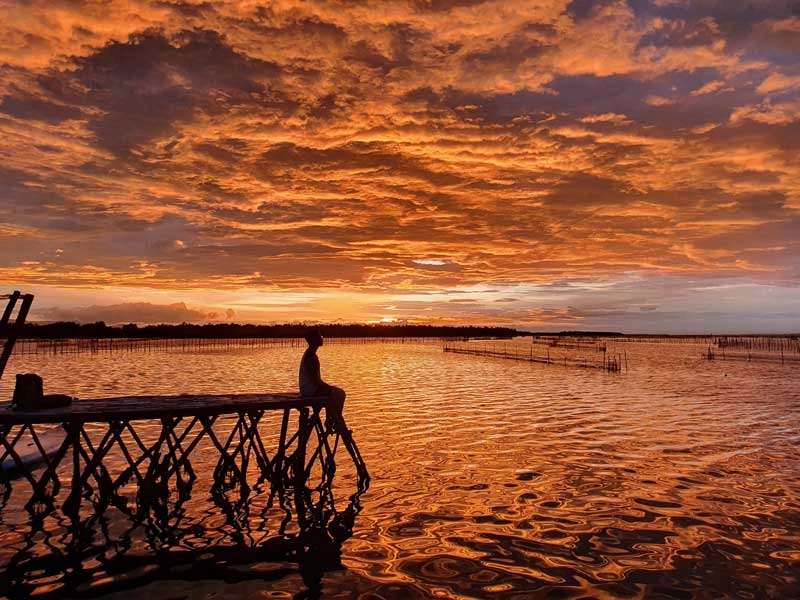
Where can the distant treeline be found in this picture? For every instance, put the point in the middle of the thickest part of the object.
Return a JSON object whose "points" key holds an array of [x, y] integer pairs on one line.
{"points": [[604, 334], [63, 330]]}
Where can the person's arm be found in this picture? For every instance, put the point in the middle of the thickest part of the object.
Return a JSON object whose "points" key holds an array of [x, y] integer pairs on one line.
{"points": [[314, 370]]}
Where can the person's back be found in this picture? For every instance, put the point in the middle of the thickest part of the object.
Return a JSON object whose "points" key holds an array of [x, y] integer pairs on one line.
{"points": [[309, 375]]}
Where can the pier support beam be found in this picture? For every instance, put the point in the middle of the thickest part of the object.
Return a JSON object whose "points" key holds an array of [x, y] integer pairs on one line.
{"points": [[142, 471]]}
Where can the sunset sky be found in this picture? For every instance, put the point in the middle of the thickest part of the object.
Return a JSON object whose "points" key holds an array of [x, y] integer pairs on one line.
{"points": [[545, 164]]}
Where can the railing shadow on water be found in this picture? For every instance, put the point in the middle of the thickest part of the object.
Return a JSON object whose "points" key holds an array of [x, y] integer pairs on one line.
{"points": [[156, 520]]}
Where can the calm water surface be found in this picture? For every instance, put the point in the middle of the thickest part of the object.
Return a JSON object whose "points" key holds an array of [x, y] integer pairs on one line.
{"points": [[495, 478]]}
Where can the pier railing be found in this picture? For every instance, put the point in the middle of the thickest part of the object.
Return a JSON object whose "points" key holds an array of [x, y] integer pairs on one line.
{"points": [[10, 327], [117, 477]]}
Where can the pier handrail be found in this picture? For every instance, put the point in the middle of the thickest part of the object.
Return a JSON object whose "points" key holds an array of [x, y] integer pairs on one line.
{"points": [[15, 329]]}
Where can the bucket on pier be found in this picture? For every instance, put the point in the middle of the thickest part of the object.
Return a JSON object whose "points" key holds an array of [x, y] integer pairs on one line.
{"points": [[28, 391], [29, 394]]}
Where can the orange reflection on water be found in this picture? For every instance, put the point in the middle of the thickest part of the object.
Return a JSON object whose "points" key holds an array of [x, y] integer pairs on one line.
{"points": [[501, 477]]}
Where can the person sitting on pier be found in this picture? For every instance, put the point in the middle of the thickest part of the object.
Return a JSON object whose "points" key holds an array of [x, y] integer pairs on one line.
{"points": [[311, 384]]}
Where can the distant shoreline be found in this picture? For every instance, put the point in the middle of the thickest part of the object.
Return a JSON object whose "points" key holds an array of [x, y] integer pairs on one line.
{"points": [[69, 330], [99, 330]]}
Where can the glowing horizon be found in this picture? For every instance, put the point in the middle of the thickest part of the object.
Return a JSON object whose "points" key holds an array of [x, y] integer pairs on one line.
{"points": [[545, 164]]}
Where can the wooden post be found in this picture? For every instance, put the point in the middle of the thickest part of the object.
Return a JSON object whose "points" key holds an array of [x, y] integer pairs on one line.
{"points": [[15, 329], [299, 468]]}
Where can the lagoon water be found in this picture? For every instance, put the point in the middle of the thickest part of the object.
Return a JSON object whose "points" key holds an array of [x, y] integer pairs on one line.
{"points": [[495, 478]]}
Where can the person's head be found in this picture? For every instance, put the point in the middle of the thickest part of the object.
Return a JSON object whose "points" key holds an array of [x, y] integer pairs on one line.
{"points": [[314, 337]]}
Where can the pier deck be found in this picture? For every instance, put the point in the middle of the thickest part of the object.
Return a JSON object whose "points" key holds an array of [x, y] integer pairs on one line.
{"points": [[156, 407]]}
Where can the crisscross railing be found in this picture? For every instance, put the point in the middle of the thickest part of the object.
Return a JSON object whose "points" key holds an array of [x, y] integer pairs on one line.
{"points": [[269, 462]]}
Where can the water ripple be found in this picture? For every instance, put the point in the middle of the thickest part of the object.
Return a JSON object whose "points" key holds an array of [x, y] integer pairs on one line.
{"points": [[678, 479]]}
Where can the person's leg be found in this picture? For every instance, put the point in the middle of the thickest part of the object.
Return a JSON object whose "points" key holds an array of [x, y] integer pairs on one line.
{"points": [[333, 412], [324, 391], [338, 395]]}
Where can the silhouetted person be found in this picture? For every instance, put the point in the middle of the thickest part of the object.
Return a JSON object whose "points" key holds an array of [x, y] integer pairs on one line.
{"points": [[311, 384]]}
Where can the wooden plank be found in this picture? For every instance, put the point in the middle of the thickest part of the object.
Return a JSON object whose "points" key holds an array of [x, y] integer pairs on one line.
{"points": [[154, 407], [12, 298]]}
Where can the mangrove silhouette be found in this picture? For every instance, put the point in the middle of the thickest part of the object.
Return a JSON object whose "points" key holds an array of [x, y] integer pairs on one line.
{"points": [[68, 329]]}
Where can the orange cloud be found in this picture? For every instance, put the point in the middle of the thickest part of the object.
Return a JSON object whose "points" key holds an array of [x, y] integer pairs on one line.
{"points": [[184, 148]]}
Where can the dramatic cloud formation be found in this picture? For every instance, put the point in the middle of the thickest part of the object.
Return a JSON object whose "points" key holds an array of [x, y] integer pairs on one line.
{"points": [[542, 163]]}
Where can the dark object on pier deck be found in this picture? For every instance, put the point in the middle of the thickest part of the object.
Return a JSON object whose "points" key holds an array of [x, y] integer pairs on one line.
{"points": [[29, 395], [298, 475]]}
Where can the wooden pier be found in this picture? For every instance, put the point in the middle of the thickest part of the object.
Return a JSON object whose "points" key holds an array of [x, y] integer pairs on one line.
{"points": [[135, 456]]}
